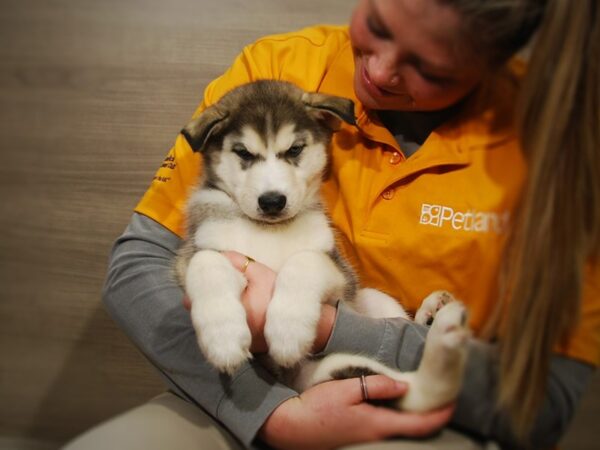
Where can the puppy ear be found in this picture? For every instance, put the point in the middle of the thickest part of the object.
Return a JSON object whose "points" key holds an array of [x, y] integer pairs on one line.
{"points": [[199, 130], [329, 109]]}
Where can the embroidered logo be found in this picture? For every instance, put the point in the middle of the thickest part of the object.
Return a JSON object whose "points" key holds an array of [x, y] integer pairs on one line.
{"points": [[470, 220]]}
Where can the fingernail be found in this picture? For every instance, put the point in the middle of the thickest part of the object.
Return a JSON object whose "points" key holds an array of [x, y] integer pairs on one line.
{"points": [[401, 384]]}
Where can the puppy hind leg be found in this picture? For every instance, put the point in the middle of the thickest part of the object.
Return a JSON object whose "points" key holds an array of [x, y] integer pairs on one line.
{"points": [[438, 379], [377, 305], [214, 288], [341, 365]]}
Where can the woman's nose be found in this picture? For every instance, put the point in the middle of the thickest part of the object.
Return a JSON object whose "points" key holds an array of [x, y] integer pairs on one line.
{"points": [[384, 72]]}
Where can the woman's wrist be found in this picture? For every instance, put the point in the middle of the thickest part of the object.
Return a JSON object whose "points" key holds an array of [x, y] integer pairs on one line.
{"points": [[274, 430], [324, 327]]}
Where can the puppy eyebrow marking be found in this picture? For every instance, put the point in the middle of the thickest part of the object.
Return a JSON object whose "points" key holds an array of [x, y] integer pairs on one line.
{"points": [[296, 143], [288, 136], [252, 140]]}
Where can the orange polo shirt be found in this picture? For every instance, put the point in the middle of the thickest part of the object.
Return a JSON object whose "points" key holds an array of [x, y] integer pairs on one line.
{"points": [[436, 220]]}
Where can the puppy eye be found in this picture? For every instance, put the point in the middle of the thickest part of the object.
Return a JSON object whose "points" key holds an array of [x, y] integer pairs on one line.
{"points": [[243, 153], [294, 151]]}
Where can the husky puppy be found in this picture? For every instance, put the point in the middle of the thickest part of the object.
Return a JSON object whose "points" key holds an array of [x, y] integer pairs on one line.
{"points": [[264, 148]]}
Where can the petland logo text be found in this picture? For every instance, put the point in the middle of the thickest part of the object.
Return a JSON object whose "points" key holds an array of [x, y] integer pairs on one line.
{"points": [[470, 220]]}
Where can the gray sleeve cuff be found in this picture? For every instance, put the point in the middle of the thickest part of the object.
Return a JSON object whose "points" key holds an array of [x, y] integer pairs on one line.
{"points": [[396, 342], [249, 401], [354, 333]]}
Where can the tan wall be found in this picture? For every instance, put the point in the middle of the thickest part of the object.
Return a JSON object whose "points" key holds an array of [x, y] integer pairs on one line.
{"points": [[92, 94]]}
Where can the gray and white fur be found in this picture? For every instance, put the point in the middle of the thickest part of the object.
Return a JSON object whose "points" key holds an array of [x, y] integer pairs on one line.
{"points": [[264, 148]]}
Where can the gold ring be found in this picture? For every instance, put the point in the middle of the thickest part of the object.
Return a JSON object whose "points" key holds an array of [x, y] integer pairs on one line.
{"points": [[247, 263], [363, 388]]}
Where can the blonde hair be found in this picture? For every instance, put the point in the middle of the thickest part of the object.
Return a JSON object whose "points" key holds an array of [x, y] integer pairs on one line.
{"points": [[557, 227]]}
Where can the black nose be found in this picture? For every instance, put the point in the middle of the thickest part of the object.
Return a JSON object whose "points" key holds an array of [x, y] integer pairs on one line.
{"points": [[272, 202]]}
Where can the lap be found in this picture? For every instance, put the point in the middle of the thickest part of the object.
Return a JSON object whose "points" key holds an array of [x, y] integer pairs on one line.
{"points": [[167, 421], [446, 440]]}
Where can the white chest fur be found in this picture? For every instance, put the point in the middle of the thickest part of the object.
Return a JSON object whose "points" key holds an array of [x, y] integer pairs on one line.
{"points": [[269, 244]]}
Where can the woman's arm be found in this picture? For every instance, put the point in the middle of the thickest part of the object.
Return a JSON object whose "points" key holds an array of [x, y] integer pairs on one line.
{"points": [[145, 301], [399, 343]]}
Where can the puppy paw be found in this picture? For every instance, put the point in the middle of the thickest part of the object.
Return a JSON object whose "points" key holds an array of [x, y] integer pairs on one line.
{"points": [[289, 336], [431, 305], [226, 354], [226, 345], [451, 325]]}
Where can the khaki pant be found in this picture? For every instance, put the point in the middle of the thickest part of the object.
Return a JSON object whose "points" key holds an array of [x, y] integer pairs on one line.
{"points": [[170, 423]]}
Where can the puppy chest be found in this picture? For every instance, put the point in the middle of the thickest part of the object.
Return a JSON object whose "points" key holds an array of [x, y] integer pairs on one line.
{"points": [[271, 245]]}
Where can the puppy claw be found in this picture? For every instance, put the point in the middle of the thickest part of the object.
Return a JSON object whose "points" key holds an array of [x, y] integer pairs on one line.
{"points": [[288, 346], [289, 340], [450, 325], [432, 304], [229, 363], [227, 347]]}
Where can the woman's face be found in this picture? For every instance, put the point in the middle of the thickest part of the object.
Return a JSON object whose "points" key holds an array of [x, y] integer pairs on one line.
{"points": [[411, 55]]}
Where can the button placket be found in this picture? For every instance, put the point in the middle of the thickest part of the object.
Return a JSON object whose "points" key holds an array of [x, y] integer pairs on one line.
{"points": [[388, 194], [395, 157]]}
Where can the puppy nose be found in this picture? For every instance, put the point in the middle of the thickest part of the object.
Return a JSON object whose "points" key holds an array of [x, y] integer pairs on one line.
{"points": [[272, 202]]}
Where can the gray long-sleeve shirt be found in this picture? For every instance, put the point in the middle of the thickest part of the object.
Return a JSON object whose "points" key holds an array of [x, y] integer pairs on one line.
{"points": [[145, 301]]}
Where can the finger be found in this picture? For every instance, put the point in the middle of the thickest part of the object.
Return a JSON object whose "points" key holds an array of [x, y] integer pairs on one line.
{"points": [[187, 303], [394, 423], [378, 387], [242, 263], [236, 259]]}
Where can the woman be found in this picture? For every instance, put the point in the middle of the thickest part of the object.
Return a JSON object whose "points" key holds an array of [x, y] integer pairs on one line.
{"points": [[429, 192]]}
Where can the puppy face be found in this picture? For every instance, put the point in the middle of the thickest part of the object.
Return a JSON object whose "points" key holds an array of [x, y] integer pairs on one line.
{"points": [[273, 176], [265, 145]]}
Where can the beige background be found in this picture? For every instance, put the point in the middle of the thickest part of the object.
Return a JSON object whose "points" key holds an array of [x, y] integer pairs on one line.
{"points": [[92, 94]]}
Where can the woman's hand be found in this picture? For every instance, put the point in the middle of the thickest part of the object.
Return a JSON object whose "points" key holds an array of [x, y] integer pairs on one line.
{"points": [[256, 298], [333, 414]]}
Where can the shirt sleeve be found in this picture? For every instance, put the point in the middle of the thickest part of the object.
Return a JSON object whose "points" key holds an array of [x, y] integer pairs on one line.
{"points": [[142, 297], [399, 343], [179, 173]]}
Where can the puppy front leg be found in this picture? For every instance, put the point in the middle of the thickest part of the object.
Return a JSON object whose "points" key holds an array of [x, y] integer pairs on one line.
{"points": [[306, 280], [214, 288]]}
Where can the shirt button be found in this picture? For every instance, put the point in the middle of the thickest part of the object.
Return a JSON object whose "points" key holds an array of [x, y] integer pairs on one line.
{"points": [[395, 157], [388, 194]]}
